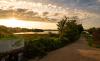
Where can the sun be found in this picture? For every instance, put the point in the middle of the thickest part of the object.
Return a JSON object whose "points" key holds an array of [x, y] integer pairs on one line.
{"points": [[12, 19], [13, 22]]}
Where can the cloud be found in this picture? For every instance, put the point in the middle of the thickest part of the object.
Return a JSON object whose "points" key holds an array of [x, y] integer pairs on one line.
{"points": [[84, 9], [89, 5], [79, 8], [98, 0]]}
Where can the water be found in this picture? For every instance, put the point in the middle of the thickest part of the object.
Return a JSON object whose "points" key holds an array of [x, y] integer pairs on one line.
{"points": [[45, 32], [8, 45]]}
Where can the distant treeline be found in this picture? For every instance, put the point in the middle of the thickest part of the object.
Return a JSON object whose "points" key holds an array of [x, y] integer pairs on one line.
{"points": [[13, 30], [9, 30]]}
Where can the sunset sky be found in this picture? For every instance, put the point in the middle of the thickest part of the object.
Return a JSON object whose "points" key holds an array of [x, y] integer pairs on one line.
{"points": [[88, 12]]}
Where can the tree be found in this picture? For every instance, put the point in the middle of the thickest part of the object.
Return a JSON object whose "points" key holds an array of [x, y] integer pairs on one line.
{"points": [[91, 30], [61, 27], [69, 29]]}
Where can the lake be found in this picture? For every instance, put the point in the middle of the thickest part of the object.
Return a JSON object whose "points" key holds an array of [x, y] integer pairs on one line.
{"points": [[45, 32], [9, 45]]}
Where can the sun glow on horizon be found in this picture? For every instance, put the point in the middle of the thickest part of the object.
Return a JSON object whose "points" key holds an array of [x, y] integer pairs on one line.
{"points": [[13, 22]]}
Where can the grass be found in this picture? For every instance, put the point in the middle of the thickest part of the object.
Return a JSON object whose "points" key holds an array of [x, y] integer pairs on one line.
{"points": [[8, 37], [16, 38], [98, 46], [90, 40]]}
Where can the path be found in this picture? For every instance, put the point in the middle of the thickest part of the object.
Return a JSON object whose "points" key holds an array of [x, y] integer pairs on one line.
{"points": [[78, 51]]}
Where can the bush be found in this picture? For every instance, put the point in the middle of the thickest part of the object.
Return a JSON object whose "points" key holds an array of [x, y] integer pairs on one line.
{"points": [[94, 39], [90, 40], [40, 47]]}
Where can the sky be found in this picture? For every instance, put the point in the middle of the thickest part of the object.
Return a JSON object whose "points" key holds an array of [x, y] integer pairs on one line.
{"points": [[88, 11], [27, 24]]}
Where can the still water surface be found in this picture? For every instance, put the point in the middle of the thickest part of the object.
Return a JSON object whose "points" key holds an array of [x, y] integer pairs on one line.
{"points": [[45, 32]]}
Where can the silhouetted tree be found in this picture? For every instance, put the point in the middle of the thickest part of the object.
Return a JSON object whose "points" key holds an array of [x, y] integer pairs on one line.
{"points": [[61, 27], [69, 29]]}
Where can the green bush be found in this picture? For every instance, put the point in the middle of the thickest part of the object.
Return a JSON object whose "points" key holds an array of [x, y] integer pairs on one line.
{"points": [[94, 37], [90, 40], [40, 46], [98, 46]]}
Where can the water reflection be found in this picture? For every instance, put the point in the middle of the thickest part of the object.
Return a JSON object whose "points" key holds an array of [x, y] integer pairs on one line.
{"points": [[8, 45], [45, 32]]}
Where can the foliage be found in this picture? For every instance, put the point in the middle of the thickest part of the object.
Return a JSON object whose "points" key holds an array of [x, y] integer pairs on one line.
{"points": [[90, 39], [96, 37], [7, 32], [61, 27], [50, 34], [91, 30], [38, 30], [98, 46], [94, 40], [68, 28], [96, 34], [40, 46]]}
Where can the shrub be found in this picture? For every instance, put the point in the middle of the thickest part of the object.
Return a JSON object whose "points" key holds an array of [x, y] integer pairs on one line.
{"points": [[90, 40], [40, 47], [94, 38]]}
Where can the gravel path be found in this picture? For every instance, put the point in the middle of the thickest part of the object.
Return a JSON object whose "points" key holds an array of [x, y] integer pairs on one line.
{"points": [[78, 51]]}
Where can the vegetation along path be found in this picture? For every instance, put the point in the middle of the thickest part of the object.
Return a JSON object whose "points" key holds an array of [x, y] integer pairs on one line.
{"points": [[78, 51]]}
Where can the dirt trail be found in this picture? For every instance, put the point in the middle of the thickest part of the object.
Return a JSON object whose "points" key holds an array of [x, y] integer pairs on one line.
{"points": [[78, 51]]}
